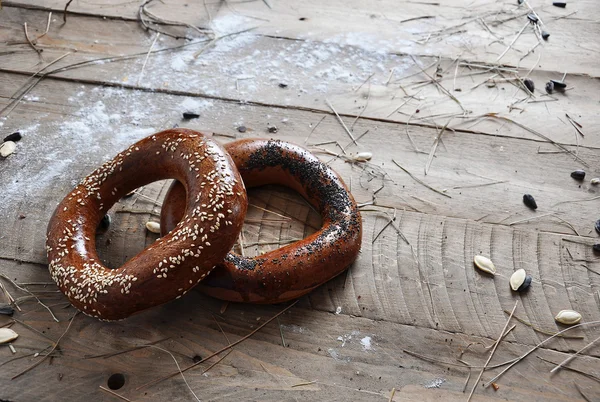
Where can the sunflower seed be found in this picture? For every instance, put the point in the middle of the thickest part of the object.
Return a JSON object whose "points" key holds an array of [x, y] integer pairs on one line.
{"points": [[526, 283], [529, 201], [549, 87], [533, 18], [558, 85], [517, 279], [6, 309], [578, 174], [529, 84], [545, 35], [363, 156], [7, 148], [7, 335], [597, 226], [153, 227], [484, 264], [190, 115], [105, 222], [568, 317], [596, 247], [595, 181], [560, 4], [14, 137]]}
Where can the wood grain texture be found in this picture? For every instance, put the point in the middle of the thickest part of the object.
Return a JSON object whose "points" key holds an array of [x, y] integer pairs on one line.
{"points": [[348, 339], [454, 28], [249, 68], [320, 346], [442, 292]]}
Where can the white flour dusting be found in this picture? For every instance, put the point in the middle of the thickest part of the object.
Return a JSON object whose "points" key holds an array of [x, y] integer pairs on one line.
{"points": [[241, 65], [109, 121]]}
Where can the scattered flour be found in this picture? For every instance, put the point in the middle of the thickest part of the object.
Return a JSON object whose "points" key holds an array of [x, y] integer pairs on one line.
{"points": [[347, 337], [109, 121], [435, 383], [241, 65], [366, 343]]}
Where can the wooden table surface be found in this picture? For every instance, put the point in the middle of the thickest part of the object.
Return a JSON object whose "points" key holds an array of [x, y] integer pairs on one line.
{"points": [[432, 87]]}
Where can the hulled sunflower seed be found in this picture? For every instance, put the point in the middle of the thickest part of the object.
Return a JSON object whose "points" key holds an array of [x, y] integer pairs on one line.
{"points": [[153, 227], [363, 156], [529, 201], [7, 148], [484, 264], [7, 335], [517, 279], [579, 174], [595, 181], [568, 317]]}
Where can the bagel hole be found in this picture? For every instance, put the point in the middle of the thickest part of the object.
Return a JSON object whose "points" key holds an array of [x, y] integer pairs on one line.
{"points": [[116, 381], [127, 235], [277, 216], [262, 231]]}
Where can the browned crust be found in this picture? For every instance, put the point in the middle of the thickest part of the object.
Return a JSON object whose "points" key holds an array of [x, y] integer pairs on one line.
{"points": [[213, 215], [296, 269]]}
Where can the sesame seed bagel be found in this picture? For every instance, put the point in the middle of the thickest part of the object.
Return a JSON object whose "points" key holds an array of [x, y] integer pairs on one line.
{"points": [[296, 269], [213, 212]]}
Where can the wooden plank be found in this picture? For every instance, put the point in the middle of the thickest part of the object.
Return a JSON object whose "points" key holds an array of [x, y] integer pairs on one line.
{"points": [[424, 297], [249, 68], [347, 357], [450, 29], [441, 290]]}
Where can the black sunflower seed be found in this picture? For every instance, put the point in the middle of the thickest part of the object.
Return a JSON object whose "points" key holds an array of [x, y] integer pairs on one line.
{"points": [[578, 174], [14, 137], [241, 129], [525, 284], [273, 129], [282, 85], [560, 4], [558, 85], [597, 226], [190, 115], [105, 222], [529, 84], [6, 309], [529, 201], [545, 35], [533, 18], [549, 87], [596, 247]]}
